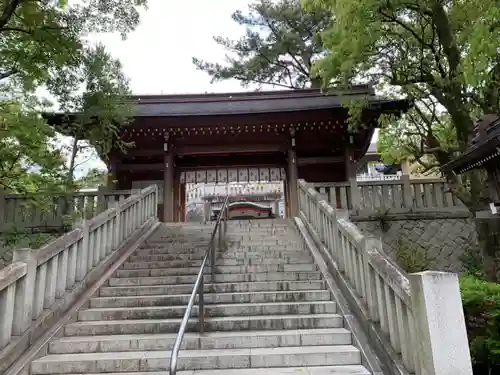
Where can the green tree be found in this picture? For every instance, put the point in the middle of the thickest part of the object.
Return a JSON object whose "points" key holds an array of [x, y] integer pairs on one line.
{"points": [[93, 178], [43, 44], [98, 110], [441, 55], [29, 160], [38, 38], [280, 45]]}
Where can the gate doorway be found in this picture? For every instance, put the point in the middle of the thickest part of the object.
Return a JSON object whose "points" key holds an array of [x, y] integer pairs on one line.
{"points": [[201, 192]]}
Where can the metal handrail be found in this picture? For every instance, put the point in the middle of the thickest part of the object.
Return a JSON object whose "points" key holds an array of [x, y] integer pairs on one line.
{"points": [[198, 286]]}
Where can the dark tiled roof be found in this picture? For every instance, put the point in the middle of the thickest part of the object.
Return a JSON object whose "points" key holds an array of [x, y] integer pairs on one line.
{"points": [[255, 102], [483, 147]]}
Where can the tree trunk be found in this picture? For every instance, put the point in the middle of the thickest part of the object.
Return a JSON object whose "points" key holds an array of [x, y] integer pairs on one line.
{"points": [[68, 196]]}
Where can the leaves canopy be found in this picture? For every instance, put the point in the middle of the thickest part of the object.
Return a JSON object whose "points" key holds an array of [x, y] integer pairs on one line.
{"points": [[441, 54], [280, 44], [93, 179], [43, 45]]}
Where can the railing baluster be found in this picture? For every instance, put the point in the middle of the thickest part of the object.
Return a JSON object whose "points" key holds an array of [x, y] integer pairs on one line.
{"points": [[396, 301], [33, 288]]}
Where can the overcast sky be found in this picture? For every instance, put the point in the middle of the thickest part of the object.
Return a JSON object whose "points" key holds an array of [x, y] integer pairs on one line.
{"points": [[157, 56]]}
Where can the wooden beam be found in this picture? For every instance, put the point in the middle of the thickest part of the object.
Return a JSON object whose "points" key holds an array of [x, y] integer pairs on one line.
{"points": [[208, 150], [141, 167], [302, 161], [160, 166], [229, 149]]}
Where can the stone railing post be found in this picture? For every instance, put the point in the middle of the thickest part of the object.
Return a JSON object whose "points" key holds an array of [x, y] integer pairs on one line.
{"points": [[25, 290], [407, 191], [441, 336], [101, 199], [354, 193], [117, 229], [83, 252]]}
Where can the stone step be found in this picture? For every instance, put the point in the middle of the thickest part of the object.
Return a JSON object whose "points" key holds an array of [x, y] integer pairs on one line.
{"points": [[219, 288], [263, 239], [212, 310], [92, 363], [183, 299], [230, 254], [176, 250], [222, 278], [244, 246], [220, 262], [297, 370], [231, 323], [208, 340], [153, 272]]}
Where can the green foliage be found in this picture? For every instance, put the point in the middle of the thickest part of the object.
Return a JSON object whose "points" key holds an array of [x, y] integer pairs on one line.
{"points": [[280, 44], [99, 110], [41, 37], [93, 179], [443, 56], [19, 240], [413, 257], [472, 262], [25, 144], [481, 302], [44, 45]]}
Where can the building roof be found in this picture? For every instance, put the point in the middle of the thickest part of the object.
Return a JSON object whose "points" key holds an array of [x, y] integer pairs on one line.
{"points": [[255, 102], [483, 147], [372, 149]]}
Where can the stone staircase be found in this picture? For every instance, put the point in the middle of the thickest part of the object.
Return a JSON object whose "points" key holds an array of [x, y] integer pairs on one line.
{"points": [[267, 312]]}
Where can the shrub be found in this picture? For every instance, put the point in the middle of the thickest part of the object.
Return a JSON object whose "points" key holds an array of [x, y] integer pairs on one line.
{"points": [[413, 257], [481, 302]]}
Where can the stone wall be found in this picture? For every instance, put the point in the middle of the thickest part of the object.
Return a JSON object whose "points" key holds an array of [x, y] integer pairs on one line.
{"points": [[441, 240]]}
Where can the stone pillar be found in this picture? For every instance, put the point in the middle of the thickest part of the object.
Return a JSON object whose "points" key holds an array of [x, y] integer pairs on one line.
{"points": [[168, 185], [350, 173], [293, 176], [441, 337], [405, 167], [206, 210], [276, 208]]}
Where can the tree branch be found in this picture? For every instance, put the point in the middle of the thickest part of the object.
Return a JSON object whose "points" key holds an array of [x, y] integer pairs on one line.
{"points": [[8, 11]]}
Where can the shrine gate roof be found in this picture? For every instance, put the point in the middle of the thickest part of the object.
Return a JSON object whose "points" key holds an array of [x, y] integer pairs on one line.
{"points": [[258, 102]]}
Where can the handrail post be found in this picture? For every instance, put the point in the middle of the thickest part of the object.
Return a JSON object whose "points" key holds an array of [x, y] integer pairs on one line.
{"points": [[212, 260], [226, 217], [201, 305], [219, 241]]}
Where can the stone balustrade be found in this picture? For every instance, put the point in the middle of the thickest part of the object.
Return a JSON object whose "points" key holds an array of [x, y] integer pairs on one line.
{"points": [[397, 196], [419, 317], [50, 212], [41, 284]]}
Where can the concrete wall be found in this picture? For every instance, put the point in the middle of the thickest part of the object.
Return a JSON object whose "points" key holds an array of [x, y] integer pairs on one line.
{"points": [[442, 238]]}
